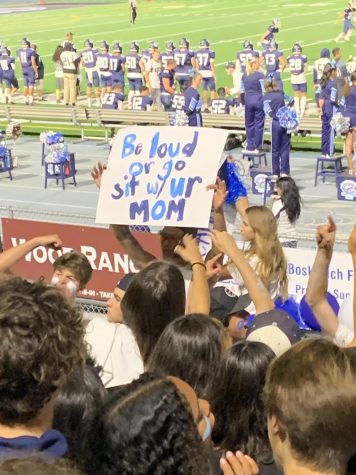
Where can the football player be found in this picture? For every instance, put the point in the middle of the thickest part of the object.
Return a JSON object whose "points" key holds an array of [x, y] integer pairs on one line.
{"points": [[223, 105], [168, 53], [268, 35], [348, 22], [275, 62], [144, 101], [27, 59], [114, 99], [7, 66], [147, 53], [183, 57], [117, 66], [103, 65], [297, 63], [166, 78], [88, 60], [204, 63], [247, 54], [318, 70], [134, 72]]}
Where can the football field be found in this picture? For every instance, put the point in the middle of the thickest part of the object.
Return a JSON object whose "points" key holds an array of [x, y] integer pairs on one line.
{"points": [[225, 23]]}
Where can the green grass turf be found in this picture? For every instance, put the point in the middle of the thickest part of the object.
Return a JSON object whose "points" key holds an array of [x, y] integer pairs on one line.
{"points": [[226, 23]]}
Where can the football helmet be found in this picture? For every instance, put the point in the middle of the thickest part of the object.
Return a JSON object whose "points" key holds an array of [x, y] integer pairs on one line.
{"points": [[117, 48], [88, 43], [247, 44], [204, 43]]}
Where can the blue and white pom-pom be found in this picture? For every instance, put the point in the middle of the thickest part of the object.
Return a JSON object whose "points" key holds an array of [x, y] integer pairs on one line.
{"points": [[288, 119], [179, 118], [340, 124]]}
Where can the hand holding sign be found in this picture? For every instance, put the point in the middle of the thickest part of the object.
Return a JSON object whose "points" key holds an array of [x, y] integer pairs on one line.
{"points": [[159, 175]]}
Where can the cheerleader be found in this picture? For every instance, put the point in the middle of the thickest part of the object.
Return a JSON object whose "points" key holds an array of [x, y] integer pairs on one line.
{"points": [[327, 104], [252, 97], [273, 101], [349, 102]]}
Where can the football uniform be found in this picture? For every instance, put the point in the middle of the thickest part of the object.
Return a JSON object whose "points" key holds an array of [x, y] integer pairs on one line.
{"points": [[103, 65], [166, 97], [348, 16], [205, 57], [113, 100], [28, 73], [272, 30], [319, 67], [165, 57], [117, 63], [223, 105], [142, 103], [89, 60], [177, 102], [183, 59], [297, 65], [329, 96], [134, 74], [7, 66], [243, 57], [272, 63]]}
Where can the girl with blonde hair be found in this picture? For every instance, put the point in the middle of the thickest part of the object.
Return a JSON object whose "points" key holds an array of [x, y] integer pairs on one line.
{"points": [[264, 253]]}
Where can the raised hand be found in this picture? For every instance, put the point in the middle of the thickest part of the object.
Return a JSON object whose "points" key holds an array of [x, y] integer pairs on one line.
{"points": [[97, 173], [189, 250], [220, 194], [223, 241], [238, 464], [50, 240], [213, 267], [325, 236]]}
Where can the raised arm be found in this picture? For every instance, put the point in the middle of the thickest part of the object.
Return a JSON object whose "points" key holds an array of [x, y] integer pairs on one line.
{"points": [[132, 247], [11, 256], [198, 296], [257, 292], [318, 280], [352, 250]]}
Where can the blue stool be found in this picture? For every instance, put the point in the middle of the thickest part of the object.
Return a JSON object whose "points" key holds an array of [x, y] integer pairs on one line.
{"points": [[268, 188], [256, 158], [61, 171], [6, 164], [320, 170]]}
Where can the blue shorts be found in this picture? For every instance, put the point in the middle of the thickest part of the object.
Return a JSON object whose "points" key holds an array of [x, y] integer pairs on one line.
{"points": [[11, 81], [135, 84], [95, 79], [105, 81], [300, 87], [208, 83], [348, 25], [29, 78], [166, 100], [352, 116], [118, 79]]}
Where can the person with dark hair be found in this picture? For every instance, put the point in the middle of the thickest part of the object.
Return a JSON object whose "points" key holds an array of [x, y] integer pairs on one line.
{"points": [[155, 297], [236, 401], [310, 400], [273, 101], [41, 71], [349, 103], [81, 395], [286, 209], [193, 103], [58, 72], [190, 348], [72, 270], [147, 427], [328, 100], [37, 467], [42, 343]]}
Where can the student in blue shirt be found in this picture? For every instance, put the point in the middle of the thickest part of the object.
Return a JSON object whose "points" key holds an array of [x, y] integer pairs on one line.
{"points": [[193, 102]]}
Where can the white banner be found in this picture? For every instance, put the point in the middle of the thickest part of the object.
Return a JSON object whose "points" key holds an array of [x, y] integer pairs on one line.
{"points": [[158, 176], [300, 263]]}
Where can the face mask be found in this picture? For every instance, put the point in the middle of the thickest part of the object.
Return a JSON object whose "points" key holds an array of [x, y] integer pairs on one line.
{"points": [[207, 431]]}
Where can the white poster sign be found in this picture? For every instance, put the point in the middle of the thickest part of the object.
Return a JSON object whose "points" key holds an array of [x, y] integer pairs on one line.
{"points": [[158, 176], [300, 263]]}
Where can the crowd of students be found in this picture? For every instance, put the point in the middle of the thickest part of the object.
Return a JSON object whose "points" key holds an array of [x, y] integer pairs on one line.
{"points": [[185, 375]]}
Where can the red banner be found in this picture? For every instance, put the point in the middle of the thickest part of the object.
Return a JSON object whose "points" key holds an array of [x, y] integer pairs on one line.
{"points": [[108, 259]]}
